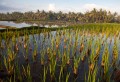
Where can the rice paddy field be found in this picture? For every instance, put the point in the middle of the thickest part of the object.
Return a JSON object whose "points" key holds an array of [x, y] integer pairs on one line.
{"points": [[79, 53]]}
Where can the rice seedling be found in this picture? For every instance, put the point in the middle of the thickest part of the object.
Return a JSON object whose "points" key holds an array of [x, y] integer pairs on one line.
{"points": [[105, 65], [92, 75], [52, 67], [61, 52], [44, 74], [115, 54], [26, 73]]}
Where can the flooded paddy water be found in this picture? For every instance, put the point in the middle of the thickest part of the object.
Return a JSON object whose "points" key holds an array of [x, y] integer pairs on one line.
{"points": [[82, 54], [21, 24]]}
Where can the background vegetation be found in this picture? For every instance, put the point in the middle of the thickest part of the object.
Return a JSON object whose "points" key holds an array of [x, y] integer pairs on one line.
{"points": [[94, 16]]}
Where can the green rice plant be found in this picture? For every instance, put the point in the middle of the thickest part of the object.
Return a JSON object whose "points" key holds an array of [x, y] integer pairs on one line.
{"points": [[25, 51], [44, 74], [34, 55], [42, 60], [115, 54], [92, 56], [9, 61], [52, 67], [67, 77], [92, 75], [61, 48], [97, 51], [18, 72], [76, 64], [27, 73], [105, 65], [8, 66], [61, 73]]}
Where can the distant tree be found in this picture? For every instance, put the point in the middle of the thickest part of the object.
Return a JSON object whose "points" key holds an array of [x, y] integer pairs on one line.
{"points": [[93, 16]]}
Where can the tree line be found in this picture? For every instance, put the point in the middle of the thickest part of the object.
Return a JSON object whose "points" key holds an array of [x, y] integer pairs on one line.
{"points": [[93, 16]]}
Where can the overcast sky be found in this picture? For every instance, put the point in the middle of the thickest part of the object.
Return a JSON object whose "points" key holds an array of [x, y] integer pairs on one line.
{"points": [[58, 5]]}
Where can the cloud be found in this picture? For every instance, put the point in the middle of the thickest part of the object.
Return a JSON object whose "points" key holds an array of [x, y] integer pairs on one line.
{"points": [[51, 7], [4, 8], [91, 6]]}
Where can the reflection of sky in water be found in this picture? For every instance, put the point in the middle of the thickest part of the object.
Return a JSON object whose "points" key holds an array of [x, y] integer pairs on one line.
{"points": [[19, 25]]}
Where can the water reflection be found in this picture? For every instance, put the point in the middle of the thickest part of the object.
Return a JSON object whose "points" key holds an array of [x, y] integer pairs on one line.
{"points": [[20, 24]]}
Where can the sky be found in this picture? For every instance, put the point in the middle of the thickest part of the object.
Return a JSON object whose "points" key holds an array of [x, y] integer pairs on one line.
{"points": [[59, 5]]}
